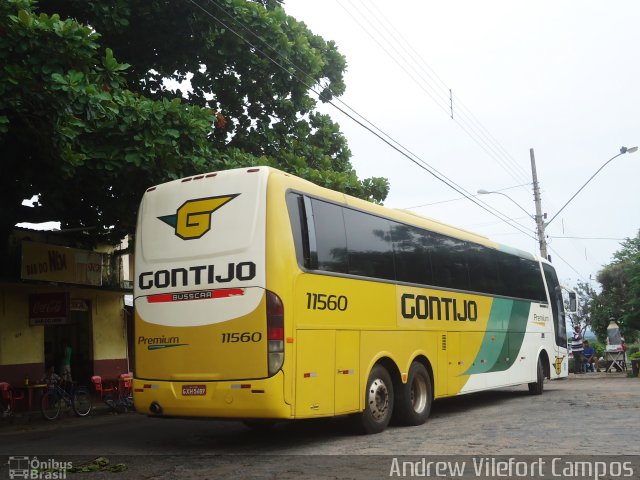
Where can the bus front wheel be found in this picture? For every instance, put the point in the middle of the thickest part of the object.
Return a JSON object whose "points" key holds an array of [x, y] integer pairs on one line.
{"points": [[378, 402], [537, 387], [415, 396]]}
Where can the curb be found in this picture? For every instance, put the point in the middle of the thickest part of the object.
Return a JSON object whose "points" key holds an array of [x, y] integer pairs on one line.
{"points": [[599, 375]]}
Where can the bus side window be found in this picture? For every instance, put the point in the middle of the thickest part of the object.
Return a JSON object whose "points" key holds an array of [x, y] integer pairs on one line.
{"points": [[309, 230], [557, 307], [331, 240], [449, 261], [370, 250], [483, 269], [295, 206], [411, 253]]}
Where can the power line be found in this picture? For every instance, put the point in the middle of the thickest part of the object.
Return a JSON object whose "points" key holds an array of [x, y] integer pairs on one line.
{"points": [[388, 140], [381, 135], [444, 87], [473, 133], [508, 163], [567, 263], [591, 238], [486, 224], [461, 198]]}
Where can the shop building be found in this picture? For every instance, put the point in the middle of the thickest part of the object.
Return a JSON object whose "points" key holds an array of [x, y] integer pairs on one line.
{"points": [[55, 295]]}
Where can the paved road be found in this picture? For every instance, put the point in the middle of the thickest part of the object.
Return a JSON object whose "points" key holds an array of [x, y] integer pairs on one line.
{"points": [[502, 422]]}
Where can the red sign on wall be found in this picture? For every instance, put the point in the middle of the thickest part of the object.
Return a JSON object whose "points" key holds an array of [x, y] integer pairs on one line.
{"points": [[48, 308]]}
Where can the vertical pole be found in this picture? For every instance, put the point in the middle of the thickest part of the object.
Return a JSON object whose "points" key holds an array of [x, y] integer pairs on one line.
{"points": [[536, 197]]}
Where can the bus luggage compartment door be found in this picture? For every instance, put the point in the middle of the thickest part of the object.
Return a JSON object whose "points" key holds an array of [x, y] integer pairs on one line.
{"points": [[315, 373], [347, 372]]}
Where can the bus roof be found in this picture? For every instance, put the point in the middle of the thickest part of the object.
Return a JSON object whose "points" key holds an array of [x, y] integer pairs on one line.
{"points": [[401, 215]]}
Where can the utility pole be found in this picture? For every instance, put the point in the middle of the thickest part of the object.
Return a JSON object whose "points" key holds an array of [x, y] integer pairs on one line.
{"points": [[539, 218]]}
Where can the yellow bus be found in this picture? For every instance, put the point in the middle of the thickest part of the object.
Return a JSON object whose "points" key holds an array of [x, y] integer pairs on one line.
{"points": [[260, 296]]}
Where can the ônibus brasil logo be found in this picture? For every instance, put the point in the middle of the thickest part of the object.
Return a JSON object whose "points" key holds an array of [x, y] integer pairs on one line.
{"points": [[193, 219]]}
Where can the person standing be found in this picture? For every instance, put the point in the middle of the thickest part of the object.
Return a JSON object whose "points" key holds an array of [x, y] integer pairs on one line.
{"points": [[578, 350], [65, 366], [50, 377]]}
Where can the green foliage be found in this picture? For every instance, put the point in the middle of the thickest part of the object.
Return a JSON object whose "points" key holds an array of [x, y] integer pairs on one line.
{"points": [[99, 464], [581, 318], [269, 109], [88, 128], [620, 295], [72, 134], [599, 348]]}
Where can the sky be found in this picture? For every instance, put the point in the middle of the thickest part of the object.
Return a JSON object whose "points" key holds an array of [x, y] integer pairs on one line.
{"points": [[561, 78]]}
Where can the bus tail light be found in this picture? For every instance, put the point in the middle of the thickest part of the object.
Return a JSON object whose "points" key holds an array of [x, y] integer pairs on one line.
{"points": [[275, 333]]}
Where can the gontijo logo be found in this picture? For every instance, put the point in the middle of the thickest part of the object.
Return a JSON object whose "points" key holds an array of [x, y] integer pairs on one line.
{"points": [[193, 219]]}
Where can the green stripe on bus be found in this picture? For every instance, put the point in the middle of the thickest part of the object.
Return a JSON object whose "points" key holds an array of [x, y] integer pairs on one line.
{"points": [[498, 350], [495, 337], [517, 329]]}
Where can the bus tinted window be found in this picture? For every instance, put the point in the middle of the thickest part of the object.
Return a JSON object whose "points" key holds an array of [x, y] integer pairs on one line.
{"points": [[411, 245], [520, 277], [334, 238], [557, 306], [331, 242], [369, 245], [449, 261], [296, 214], [532, 285], [483, 269]]}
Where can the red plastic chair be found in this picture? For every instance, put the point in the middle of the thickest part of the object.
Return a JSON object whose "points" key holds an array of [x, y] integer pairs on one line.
{"points": [[100, 388], [9, 397], [125, 382]]}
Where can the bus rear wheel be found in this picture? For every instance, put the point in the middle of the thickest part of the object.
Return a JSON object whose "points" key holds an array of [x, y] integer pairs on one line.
{"points": [[415, 396], [378, 402]]}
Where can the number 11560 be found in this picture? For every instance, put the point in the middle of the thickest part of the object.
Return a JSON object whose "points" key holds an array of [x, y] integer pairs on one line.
{"points": [[322, 301]]}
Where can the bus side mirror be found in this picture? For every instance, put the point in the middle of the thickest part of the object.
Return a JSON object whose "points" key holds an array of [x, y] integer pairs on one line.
{"points": [[573, 302]]}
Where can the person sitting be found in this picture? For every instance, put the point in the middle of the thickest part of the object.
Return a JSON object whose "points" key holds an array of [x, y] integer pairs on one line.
{"points": [[50, 377], [590, 359], [577, 350]]}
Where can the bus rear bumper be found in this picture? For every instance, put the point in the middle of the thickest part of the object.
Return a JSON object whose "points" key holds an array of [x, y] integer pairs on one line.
{"points": [[229, 399]]}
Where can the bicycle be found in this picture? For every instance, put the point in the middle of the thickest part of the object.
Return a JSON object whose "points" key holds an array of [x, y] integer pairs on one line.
{"points": [[123, 401], [78, 398]]}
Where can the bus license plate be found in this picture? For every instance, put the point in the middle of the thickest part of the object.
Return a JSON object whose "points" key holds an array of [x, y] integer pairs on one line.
{"points": [[191, 390]]}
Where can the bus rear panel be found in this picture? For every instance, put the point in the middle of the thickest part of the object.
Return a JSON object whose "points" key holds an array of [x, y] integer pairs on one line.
{"points": [[208, 335]]}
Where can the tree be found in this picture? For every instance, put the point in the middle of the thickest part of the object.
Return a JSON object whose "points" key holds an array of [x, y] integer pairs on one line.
{"points": [[620, 295], [88, 133], [581, 319]]}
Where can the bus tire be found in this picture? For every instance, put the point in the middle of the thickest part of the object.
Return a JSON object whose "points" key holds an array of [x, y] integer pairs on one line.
{"points": [[414, 397], [537, 387], [378, 402]]}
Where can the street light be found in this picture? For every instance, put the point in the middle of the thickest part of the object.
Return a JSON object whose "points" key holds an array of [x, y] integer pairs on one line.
{"points": [[623, 150], [482, 191], [540, 223]]}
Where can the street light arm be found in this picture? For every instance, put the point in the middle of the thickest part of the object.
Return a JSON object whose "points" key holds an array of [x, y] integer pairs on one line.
{"points": [[486, 192], [623, 150]]}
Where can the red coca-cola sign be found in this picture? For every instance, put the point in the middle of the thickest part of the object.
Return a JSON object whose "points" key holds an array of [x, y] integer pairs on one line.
{"points": [[48, 308]]}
